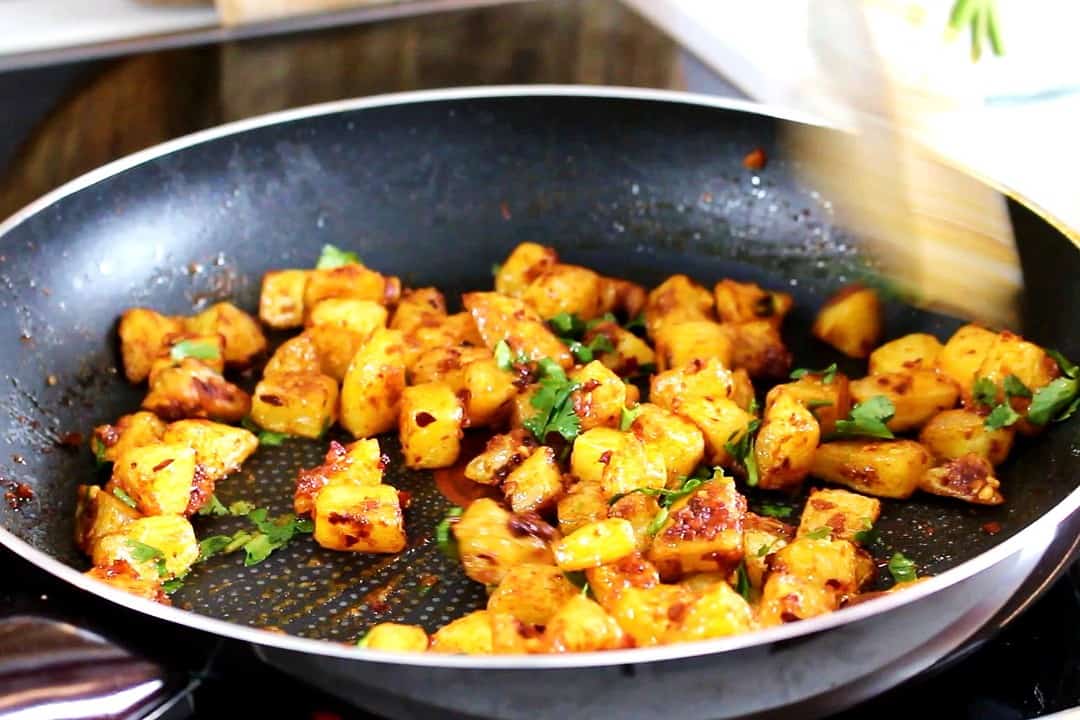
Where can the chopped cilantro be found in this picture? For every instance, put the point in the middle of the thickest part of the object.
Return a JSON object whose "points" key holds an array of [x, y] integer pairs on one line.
{"points": [[198, 349], [776, 511], [627, 416], [813, 405], [556, 411], [99, 449], [567, 325], [1015, 387], [605, 318], [828, 374], [742, 450], [273, 534], [636, 324], [867, 419], [658, 521], [362, 641], [1056, 401], [240, 507], [143, 553], [586, 352], [902, 569], [1068, 368], [214, 507], [821, 533], [496, 268], [665, 498], [1001, 416], [211, 546], [868, 535], [119, 493], [334, 257], [172, 585], [272, 439], [444, 538], [985, 392], [764, 550], [742, 581]]}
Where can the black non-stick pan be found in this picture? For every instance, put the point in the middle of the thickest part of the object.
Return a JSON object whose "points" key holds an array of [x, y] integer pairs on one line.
{"points": [[435, 187]]}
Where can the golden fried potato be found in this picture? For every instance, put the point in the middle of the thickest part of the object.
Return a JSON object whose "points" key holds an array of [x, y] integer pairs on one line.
{"points": [[219, 449], [445, 364], [121, 576], [532, 593], [501, 455], [334, 347], [679, 344], [295, 404], [358, 463], [510, 636], [806, 578], [917, 395], [536, 484], [143, 334], [359, 518], [595, 544], [159, 477], [526, 263], [631, 356], [417, 308], [430, 422], [883, 468], [351, 281], [955, 433], [583, 503], [1010, 354], [718, 612], [209, 349], [640, 511], [374, 381], [738, 302], [677, 300], [915, 351], [491, 541], [758, 348], [968, 477], [963, 354], [108, 442], [721, 422], [581, 625], [607, 582], [281, 301], [567, 288], [362, 317], [677, 440], [827, 401], [600, 400], [844, 513], [456, 329], [648, 614], [244, 339], [851, 321], [786, 442], [468, 635], [592, 452], [395, 637], [703, 532], [155, 547], [633, 466], [99, 513], [193, 390], [762, 536], [488, 393], [699, 379], [499, 318], [296, 355]]}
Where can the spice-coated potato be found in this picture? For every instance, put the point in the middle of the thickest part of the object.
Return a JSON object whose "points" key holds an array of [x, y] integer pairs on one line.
{"points": [[335, 348], [607, 582], [419, 307], [679, 344], [445, 364], [451, 330], [281, 302], [208, 348], [844, 513], [567, 288], [1010, 354], [828, 401], [806, 578], [99, 513], [963, 354], [510, 636], [718, 611], [593, 451], [601, 397], [298, 354], [159, 477], [295, 404], [595, 544], [851, 321], [143, 334], [721, 422], [640, 511], [915, 351], [219, 449], [468, 635], [699, 379], [171, 536], [883, 468], [762, 536], [135, 430], [491, 541], [676, 300], [501, 455], [532, 593], [488, 393], [738, 302], [583, 503], [396, 637], [430, 423], [536, 484], [758, 348], [362, 317], [581, 625], [499, 318], [631, 467], [648, 614], [631, 356], [703, 532], [955, 433], [374, 381], [358, 463], [526, 263], [968, 477], [121, 576], [350, 281], [359, 518], [677, 440], [244, 339], [917, 395], [786, 442], [193, 390]]}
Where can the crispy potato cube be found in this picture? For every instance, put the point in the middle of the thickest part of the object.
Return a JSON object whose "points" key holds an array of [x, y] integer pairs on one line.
{"points": [[219, 449], [786, 442], [679, 344], [122, 577], [521, 408], [648, 614], [963, 354], [359, 518], [631, 356], [595, 544], [456, 329], [501, 455], [607, 582], [677, 300], [917, 395], [600, 399], [108, 442], [335, 348], [193, 390], [955, 433], [143, 334], [844, 513], [358, 463], [510, 636], [491, 541], [581, 625], [371, 390], [639, 510], [718, 612], [828, 402], [362, 317], [851, 321], [883, 468], [762, 536], [677, 440], [351, 281], [806, 578], [629, 297], [968, 477], [720, 421], [703, 532], [396, 637], [99, 513], [281, 301], [567, 288], [488, 393], [422, 306], [526, 263], [445, 364], [170, 535], [592, 452], [738, 302], [699, 379], [295, 404], [758, 348], [536, 484], [298, 354], [468, 635], [159, 477], [209, 349], [1010, 354], [583, 503], [532, 593], [915, 351], [430, 422], [499, 317], [244, 338], [633, 466]]}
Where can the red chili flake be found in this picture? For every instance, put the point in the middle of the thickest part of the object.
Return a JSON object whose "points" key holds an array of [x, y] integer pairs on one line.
{"points": [[991, 528], [272, 400], [755, 159], [71, 440], [18, 494], [423, 419], [529, 523], [404, 498], [605, 457], [162, 465], [504, 210]]}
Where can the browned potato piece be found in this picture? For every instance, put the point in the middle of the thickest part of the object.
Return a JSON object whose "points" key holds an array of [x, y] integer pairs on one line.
{"points": [[758, 348], [171, 535], [500, 318], [607, 582], [917, 395], [915, 351], [786, 442], [721, 422], [851, 321], [581, 625], [359, 518], [678, 299], [844, 513], [159, 477], [295, 404], [362, 317], [219, 449], [99, 513], [592, 453], [445, 364], [193, 390], [135, 430], [358, 463], [456, 329], [762, 536], [536, 484], [718, 612], [532, 593], [526, 263], [600, 400], [584, 503], [501, 455], [883, 468], [395, 637], [639, 510], [703, 532], [676, 439], [281, 302], [595, 544], [209, 349], [1010, 354], [371, 390], [510, 636], [679, 344], [633, 466], [419, 307], [335, 348], [121, 576], [629, 297], [955, 433], [491, 541], [631, 356], [806, 578], [707, 379], [567, 288], [968, 477], [351, 281], [244, 338], [828, 401], [296, 355], [962, 355], [488, 393], [143, 335], [738, 302], [430, 423], [468, 635], [647, 614]]}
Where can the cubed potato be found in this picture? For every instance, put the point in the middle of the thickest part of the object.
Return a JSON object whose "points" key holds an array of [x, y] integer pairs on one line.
{"points": [[335, 347], [785, 445], [629, 297], [607, 582], [358, 463], [963, 354], [915, 351], [718, 612], [488, 393], [351, 281], [600, 400], [595, 544], [430, 423], [526, 263], [536, 484], [703, 532], [501, 455], [99, 513], [499, 318], [567, 288], [679, 344], [639, 510], [633, 466], [707, 379], [445, 364], [170, 535], [844, 513], [721, 422], [583, 503], [395, 637], [193, 390], [883, 468], [362, 317], [456, 329], [677, 440], [359, 518], [758, 348], [219, 449], [121, 576], [738, 302], [491, 541], [468, 635], [955, 433], [631, 356], [510, 636], [108, 442], [1010, 354], [581, 625], [532, 593], [806, 578], [295, 404], [851, 321], [592, 452], [828, 401], [143, 333], [648, 614], [374, 381], [296, 355], [208, 348], [244, 339], [281, 302], [422, 306], [968, 477], [159, 477], [676, 300], [762, 536], [917, 395], [521, 408]]}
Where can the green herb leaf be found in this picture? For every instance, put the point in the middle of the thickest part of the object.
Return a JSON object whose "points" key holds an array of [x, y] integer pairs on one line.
{"points": [[577, 579], [257, 549], [813, 405], [867, 419], [333, 257], [567, 325], [172, 585], [828, 373], [496, 268], [605, 318], [742, 450], [627, 416], [211, 546], [985, 392], [214, 507], [1015, 387], [240, 508], [665, 497], [99, 451], [636, 324], [141, 552], [1001, 416], [658, 521], [868, 535], [764, 550], [556, 411], [742, 581], [272, 439], [503, 356], [198, 349], [776, 511], [119, 493], [444, 538], [902, 569], [362, 641], [1053, 401], [1068, 368], [821, 533], [273, 534]]}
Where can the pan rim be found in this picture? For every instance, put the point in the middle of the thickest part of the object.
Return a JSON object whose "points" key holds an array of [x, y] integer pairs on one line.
{"points": [[1038, 534]]}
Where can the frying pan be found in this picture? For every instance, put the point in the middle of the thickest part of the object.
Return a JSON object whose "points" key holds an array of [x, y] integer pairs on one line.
{"points": [[435, 187]]}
